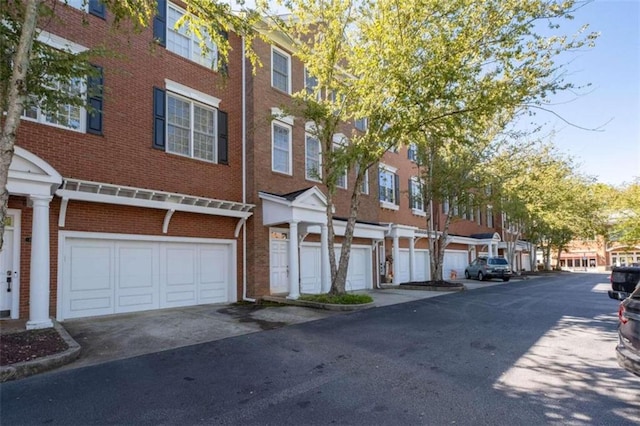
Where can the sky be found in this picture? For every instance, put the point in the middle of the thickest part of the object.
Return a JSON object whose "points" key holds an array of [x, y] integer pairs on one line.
{"points": [[612, 102]]}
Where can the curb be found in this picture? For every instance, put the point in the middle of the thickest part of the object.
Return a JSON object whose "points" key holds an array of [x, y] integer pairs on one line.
{"points": [[317, 305], [20, 370], [432, 288]]}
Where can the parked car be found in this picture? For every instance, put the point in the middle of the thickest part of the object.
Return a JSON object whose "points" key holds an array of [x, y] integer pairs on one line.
{"points": [[628, 349], [485, 268], [624, 280]]}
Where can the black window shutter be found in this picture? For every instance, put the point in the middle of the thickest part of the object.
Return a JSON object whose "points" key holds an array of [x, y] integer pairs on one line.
{"points": [[396, 196], [94, 99], [411, 195], [159, 118], [223, 138], [380, 186], [160, 23], [97, 8]]}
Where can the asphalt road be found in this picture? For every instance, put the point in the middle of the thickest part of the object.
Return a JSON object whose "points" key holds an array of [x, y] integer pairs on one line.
{"points": [[530, 352]]}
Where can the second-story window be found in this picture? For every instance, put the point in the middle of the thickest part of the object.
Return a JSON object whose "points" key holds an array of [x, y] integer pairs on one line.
{"points": [[280, 70], [412, 152], [313, 170], [310, 83], [66, 115], [339, 143], [416, 200], [364, 188], [361, 124], [191, 128], [490, 216], [180, 42], [389, 187], [281, 147]]}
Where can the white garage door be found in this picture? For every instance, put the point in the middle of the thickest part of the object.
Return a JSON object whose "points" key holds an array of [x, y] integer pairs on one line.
{"points": [[108, 276], [526, 261], [310, 278], [421, 270], [358, 272], [454, 260], [423, 266]]}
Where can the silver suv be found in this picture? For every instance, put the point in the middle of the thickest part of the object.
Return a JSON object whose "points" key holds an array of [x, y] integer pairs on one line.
{"points": [[485, 268]]}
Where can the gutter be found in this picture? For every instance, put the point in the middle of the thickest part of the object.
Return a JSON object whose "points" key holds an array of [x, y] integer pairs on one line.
{"points": [[244, 172]]}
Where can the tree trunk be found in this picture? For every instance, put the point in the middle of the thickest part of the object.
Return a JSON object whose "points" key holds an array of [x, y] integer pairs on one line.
{"points": [[16, 95], [339, 284]]}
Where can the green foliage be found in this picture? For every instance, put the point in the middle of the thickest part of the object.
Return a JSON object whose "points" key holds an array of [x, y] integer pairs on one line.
{"points": [[339, 299], [624, 214]]}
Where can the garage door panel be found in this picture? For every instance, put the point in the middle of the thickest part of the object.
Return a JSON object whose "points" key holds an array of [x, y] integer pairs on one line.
{"points": [[180, 266], [93, 267], [97, 305], [135, 267], [310, 274], [359, 269], [404, 273], [214, 275]]}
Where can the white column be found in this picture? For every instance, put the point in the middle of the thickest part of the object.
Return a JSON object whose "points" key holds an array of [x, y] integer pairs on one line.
{"points": [[412, 259], [396, 260], [294, 275], [325, 267], [40, 282]]}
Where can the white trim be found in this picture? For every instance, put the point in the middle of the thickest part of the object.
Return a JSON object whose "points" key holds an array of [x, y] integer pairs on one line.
{"points": [[60, 43], [190, 93], [283, 53], [280, 115], [290, 147], [388, 168], [306, 153], [388, 205]]}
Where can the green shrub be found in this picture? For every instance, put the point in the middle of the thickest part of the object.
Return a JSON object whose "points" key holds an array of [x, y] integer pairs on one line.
{"points": [[342, 299]]}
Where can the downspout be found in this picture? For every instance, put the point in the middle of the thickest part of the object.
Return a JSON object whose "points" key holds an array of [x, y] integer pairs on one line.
{"points": [[244, 172]]}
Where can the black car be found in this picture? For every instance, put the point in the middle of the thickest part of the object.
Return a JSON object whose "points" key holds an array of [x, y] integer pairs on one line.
{"points": [[624, 280], [628, 349]]}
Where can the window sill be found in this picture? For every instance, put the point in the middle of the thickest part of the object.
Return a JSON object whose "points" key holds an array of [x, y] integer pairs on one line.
{"points": [[418, 212], [389, 206]]}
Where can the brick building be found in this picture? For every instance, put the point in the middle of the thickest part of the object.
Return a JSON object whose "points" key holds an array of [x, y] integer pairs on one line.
{"points": [[186, 190]]}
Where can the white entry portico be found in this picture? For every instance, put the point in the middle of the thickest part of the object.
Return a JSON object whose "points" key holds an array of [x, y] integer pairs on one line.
{"points": [[304, 212], [32, 177]]}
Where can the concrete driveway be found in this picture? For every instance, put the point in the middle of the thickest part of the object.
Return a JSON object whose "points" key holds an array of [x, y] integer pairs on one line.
{"points": [[122, 336]]}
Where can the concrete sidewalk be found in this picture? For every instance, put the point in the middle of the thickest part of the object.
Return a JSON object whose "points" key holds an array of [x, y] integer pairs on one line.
{"points": [[114, 337]]}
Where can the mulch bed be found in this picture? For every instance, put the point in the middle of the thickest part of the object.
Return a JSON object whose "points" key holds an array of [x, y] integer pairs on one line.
{"points": [[28, 345]]}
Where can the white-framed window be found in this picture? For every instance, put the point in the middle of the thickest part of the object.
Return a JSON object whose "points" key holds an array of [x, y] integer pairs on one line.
{"points": [[339, 143], [313, 158], [281, 147], [191, 128], [188, 45], [280, 70], [389, 187], [490, 216], [310, 83], [445, 205], [361, 124], [412, 152], [364, 188], [416, 200], [67, 116], [71, 117]]}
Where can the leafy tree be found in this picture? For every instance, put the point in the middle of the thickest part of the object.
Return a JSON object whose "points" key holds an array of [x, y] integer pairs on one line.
{"points": [[625, 214], [472, 73]]}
